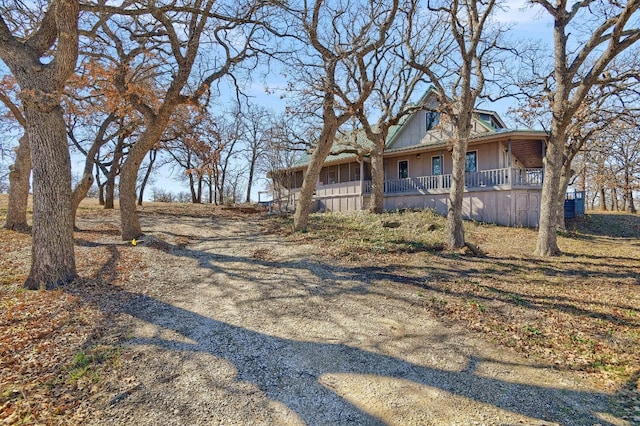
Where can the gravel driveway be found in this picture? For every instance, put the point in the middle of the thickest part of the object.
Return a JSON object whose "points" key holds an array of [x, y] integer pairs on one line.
{"points": [[227, 324]]}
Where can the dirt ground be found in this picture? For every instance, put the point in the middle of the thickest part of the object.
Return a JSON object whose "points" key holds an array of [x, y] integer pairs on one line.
{"points": [[224, 323]]}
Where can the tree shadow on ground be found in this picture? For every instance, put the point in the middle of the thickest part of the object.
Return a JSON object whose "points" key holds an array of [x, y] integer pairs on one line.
{"points": [[612, 225], [295, 372]]}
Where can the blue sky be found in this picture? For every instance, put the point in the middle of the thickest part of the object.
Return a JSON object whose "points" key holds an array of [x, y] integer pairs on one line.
{"points": [[528, 22]]}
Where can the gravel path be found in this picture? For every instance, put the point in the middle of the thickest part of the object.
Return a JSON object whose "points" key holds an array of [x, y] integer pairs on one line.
{"points": [[229, 325]]}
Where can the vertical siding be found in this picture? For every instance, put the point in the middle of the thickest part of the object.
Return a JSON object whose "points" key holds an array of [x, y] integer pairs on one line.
{"points": [[509, 207]]}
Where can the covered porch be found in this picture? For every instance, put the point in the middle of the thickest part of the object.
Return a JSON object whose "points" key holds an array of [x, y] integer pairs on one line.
{"points": [[504, 178]]}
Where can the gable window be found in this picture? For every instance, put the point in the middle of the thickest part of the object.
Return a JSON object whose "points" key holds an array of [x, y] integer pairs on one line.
{"points": [[432, 119], [403, 169], [436, 166], [471, 165]]}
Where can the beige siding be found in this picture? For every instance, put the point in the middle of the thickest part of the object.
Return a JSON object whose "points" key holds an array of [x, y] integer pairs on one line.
{"points": [[510, 207]]}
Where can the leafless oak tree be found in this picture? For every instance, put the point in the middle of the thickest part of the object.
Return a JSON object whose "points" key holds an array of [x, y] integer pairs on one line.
{"points": [[456, 65], [329, 34], [587, 35]]}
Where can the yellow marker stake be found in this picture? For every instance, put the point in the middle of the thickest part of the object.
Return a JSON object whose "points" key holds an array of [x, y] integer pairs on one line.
{"points": [[134, 242]]}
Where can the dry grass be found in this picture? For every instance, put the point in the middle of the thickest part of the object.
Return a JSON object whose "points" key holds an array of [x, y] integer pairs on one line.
{"points": [[579, 311]]}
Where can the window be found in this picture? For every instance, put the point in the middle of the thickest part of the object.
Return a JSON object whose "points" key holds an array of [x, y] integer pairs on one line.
{"points": [[432, 119], [436, 166], [472, 162], [332, 177], [403, 169], [356, 174]]}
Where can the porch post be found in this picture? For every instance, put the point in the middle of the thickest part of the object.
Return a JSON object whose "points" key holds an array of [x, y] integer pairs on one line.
{"points": [[509, 163], [361, 161], [544, 155]]}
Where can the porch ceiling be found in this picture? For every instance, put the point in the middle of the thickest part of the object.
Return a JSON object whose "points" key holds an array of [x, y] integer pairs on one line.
{"points": [[528, 152]]}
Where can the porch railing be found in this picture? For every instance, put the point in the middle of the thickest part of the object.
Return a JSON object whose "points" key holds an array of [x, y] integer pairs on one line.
{"points": [[484, 178]]}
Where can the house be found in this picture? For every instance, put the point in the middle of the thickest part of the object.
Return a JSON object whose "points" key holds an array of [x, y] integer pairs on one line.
{"points": [[504, 171]]}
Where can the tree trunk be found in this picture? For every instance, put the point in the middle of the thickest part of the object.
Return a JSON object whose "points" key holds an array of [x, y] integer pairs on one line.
{"points": [[603, 199], [305, 199], [565, 177], [200, 182], [376, 202], [129, 220], [250, 183], [53, 258], [210, 187], [19, 174], [152, 159], [629, 192], [82, 188], [547, 243], [110, 185], [79, 193], [192, 189], [454, 229], [100, 186], [128, 215], [101, 201], [614, 200]]}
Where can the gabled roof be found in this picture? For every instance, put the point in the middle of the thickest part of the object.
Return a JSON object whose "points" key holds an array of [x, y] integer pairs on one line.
{"points": [[342, 144]]}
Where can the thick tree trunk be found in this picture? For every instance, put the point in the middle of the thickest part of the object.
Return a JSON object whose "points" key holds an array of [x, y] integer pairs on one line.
{"points": [[53, 259], [129, 220], [454, 229], [305, 200], [547, 243], [110, 193], [128, 215], [376, 202], [19, 174]]}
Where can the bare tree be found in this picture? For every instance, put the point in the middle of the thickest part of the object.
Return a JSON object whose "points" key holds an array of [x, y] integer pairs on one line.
{"points": [[41, 60], [193, 144], [604, 106], [386, 71], [226, 146], [587, 37], [257, 123], [329, 34], [212, 37], [284, 147], [456, 65]]}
